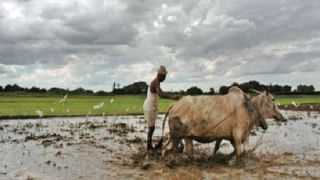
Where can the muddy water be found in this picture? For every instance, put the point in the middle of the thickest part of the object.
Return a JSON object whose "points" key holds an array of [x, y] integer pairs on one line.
{"points": [[113, 147]]}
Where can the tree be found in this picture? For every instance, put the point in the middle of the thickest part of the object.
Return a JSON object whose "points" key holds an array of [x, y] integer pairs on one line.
{"points": [[13, 88], [305, 89], [78, 91], [136, 88], [255, 85], [114, 86], [311, 88], [181, 92], [118, 91], [211, 91], [43, 90], [286, 89], [58, 91], [8, 88], [235, 84], [35, 89], [275, 88], [246, 86], [88, 92], [223, 90], [101, 93], [194, 90]]}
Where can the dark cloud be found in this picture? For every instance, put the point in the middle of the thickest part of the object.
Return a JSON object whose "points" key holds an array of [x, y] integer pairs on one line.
{"points": [[82, 43]]}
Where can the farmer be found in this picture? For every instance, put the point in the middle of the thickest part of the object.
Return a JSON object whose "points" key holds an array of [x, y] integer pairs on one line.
{"points": [[150, 106]]}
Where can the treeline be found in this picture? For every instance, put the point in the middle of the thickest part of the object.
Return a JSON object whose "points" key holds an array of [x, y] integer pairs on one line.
{"points": [[275, 89], [142, 87], [135, 88], [54, 91]]}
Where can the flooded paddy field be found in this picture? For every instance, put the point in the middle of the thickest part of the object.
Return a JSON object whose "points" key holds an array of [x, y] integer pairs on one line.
{"points": [[113, 147]]}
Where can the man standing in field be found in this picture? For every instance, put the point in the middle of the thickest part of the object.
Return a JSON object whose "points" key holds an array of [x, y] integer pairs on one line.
{"points": [[150, 106]]}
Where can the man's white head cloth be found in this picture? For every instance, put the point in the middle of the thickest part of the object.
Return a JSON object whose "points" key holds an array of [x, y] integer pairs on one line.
{"points": [[162, 70]]}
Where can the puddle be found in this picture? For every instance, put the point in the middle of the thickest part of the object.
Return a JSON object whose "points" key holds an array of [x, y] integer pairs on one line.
{"points": [[113, 147]]}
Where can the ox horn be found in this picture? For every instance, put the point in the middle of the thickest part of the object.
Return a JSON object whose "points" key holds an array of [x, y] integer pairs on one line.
{"points": [[254, 90]]}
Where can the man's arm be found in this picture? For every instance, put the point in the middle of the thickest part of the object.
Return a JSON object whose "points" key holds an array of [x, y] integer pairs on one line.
{"points": [[155, 88], [163, 94]]}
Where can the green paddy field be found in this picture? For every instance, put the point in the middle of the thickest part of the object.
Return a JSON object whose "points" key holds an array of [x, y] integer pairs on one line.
{"points": [[22, 106]]}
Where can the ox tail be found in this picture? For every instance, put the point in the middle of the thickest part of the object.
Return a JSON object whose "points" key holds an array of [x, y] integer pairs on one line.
{"points": [[159, 144], [165, 119]]}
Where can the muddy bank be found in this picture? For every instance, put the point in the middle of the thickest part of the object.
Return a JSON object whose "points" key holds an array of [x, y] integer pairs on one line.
{"points": [[285, 151], [114, 147]]}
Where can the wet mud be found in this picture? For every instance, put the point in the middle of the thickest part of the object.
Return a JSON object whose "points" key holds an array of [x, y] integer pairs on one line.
{"points": [[114, 147]]}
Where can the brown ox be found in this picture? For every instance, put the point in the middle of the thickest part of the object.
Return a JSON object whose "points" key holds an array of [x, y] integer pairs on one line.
{"points": [[214, 118]]}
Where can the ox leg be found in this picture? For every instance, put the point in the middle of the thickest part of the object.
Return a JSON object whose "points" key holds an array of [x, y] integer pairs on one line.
{"points": [[171, 145], [189, 148], [238, 149], [216, 147], [175, 143], [234, 147], [246, 144]]}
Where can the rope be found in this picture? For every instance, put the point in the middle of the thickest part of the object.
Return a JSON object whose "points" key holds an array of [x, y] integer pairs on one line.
{"points": [[248, 104]]}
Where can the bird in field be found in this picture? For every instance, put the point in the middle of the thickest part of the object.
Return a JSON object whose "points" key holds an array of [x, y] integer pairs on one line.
{"points": [[98, 106]]}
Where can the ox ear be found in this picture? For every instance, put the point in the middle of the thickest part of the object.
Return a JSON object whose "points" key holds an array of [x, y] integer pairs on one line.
{"points": [[266, 92], [247, 96]]}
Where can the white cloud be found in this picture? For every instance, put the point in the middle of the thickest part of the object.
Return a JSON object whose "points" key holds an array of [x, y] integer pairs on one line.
{"points": [[206, 43]]}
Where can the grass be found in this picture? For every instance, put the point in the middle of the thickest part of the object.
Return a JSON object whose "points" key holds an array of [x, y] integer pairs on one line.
{"points": [[303, 99], [25, 105]]}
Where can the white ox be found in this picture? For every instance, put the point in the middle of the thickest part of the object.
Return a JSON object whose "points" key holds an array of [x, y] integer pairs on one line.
{"points": [[214, 118]]}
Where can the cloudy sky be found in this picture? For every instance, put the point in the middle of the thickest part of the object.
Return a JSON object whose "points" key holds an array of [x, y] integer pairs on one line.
{"points": [[207, 43]]}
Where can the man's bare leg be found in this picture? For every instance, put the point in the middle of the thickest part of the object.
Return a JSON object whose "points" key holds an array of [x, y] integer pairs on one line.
{"points": [[149, 138]]}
